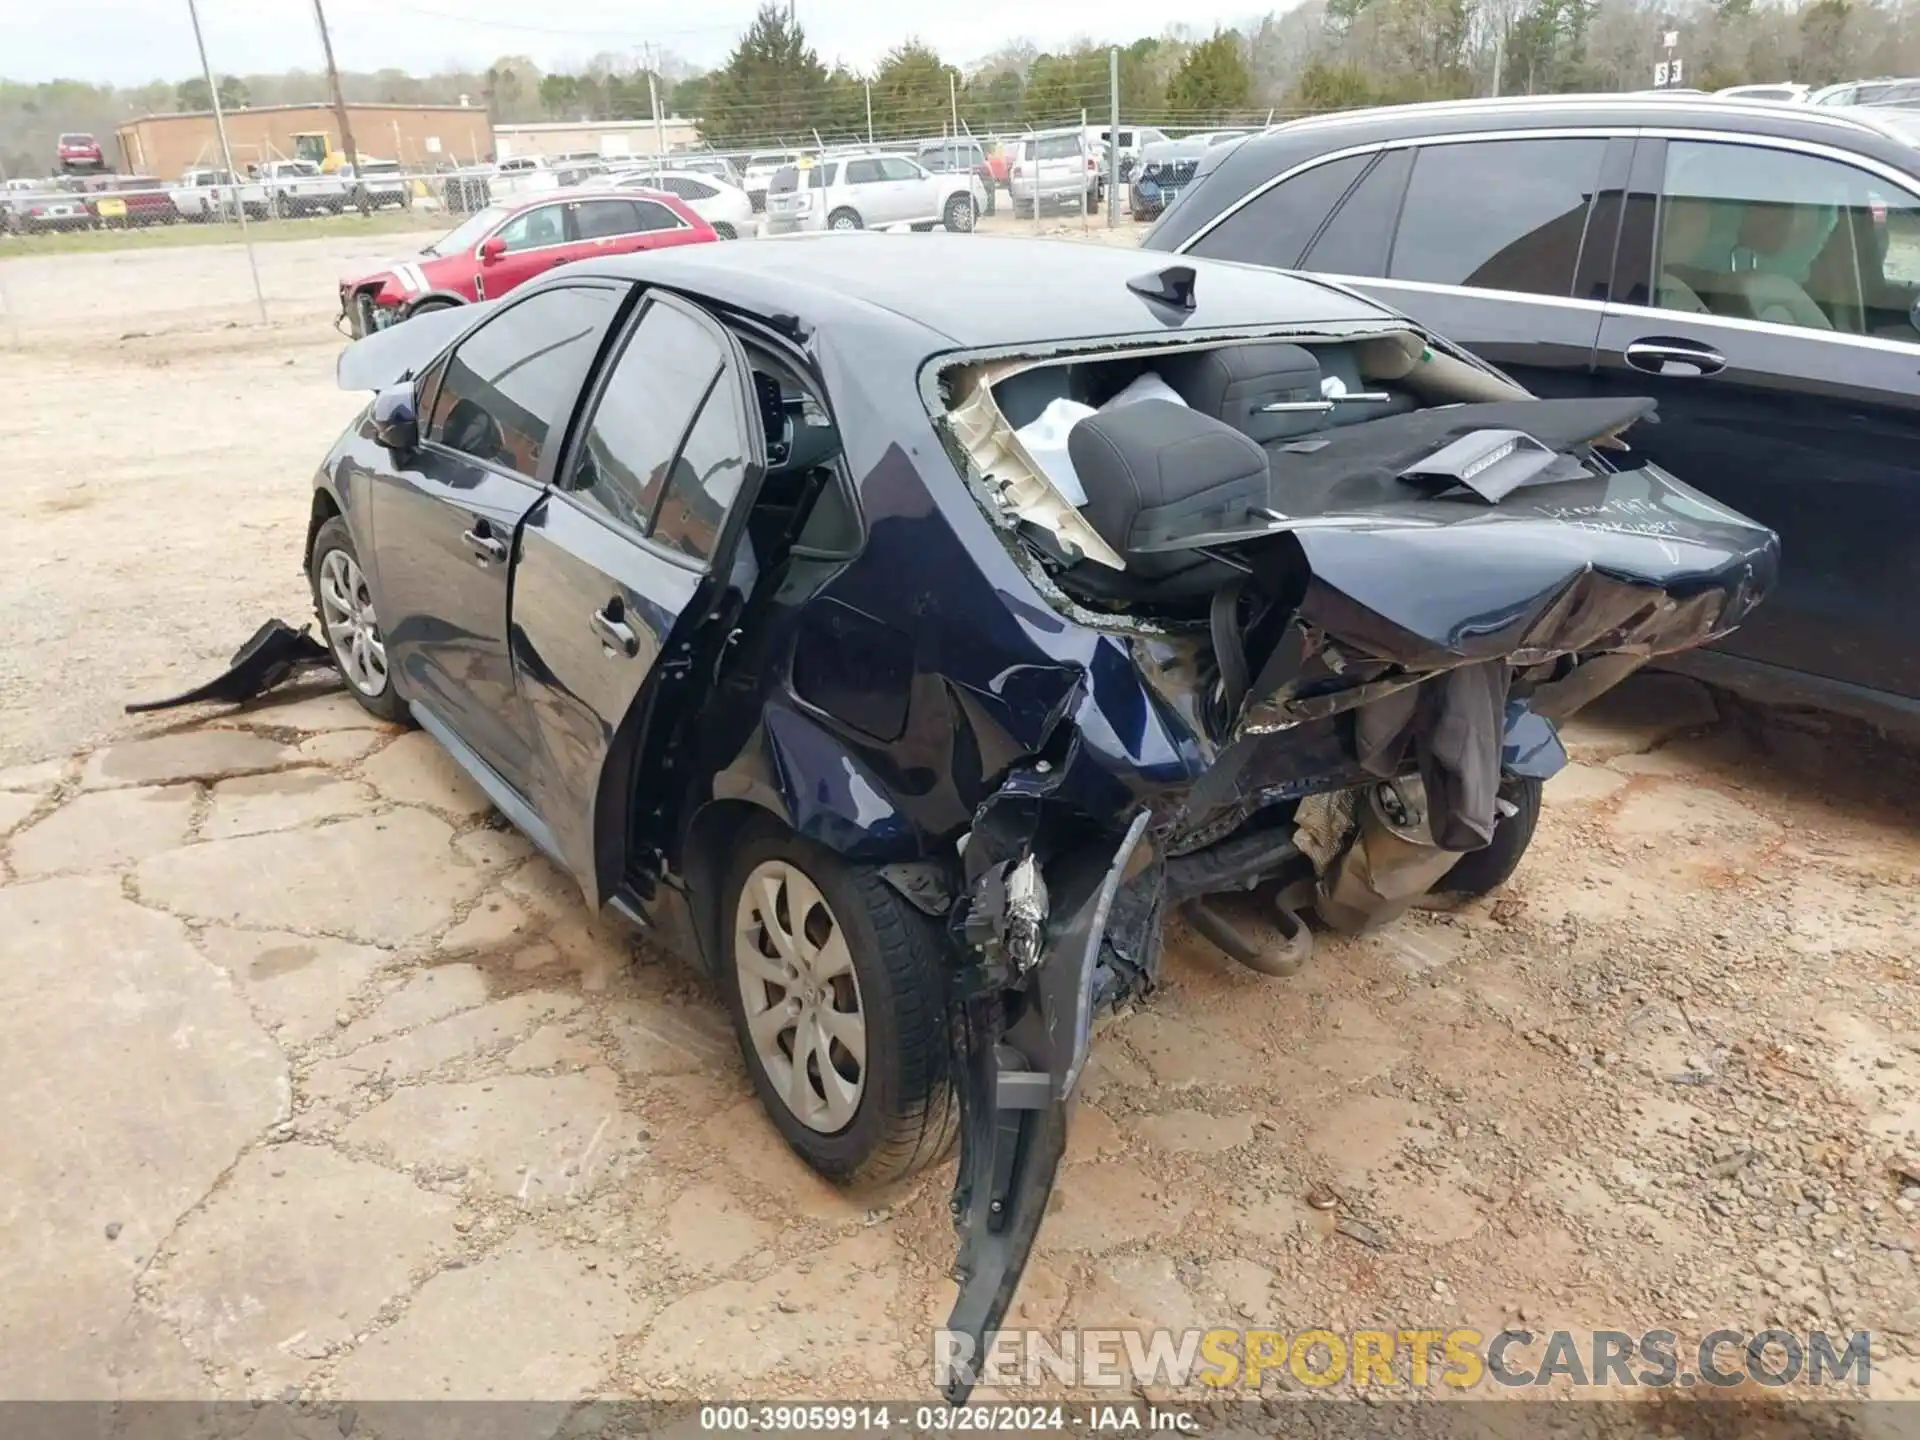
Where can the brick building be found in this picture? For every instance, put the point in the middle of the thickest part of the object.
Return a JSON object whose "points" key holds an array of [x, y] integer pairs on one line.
{"points": [[418, 136]]}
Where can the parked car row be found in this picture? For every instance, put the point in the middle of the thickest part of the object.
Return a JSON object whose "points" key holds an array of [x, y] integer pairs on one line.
{"points": [[282, 188], [1754, 267]]}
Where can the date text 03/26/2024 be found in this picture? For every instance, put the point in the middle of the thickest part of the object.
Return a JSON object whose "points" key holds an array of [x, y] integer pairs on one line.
{"points": [[879, 1419]]}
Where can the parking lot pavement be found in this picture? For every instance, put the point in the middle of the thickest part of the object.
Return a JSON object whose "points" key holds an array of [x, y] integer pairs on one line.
{"points": [[310, 1064]]}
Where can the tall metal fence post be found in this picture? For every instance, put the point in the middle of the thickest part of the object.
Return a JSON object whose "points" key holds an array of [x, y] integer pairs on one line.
{"points": [[1113, 138], [226, 152]]}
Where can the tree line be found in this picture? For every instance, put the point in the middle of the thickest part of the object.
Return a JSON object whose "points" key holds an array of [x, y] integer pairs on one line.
{"points": [[1320, 55]]}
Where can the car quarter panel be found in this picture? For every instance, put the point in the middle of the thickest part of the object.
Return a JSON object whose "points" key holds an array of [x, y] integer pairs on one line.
{"points": [[996, 675]]}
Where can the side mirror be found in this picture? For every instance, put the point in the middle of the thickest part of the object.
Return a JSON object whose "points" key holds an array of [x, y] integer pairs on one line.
{"points": [[491, 249], [396, 419]]}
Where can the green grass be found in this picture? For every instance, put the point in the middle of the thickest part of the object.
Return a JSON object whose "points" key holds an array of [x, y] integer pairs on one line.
{"points": [[156, 237]]}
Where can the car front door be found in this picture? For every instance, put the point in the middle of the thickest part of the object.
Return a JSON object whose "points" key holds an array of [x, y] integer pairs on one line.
{"points": [[444, 520], [536, 240], [1765, 298], [620, 562]]}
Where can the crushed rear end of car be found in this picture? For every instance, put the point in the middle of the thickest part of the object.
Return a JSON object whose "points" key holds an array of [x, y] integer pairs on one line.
{"points": [[1345, 579]]}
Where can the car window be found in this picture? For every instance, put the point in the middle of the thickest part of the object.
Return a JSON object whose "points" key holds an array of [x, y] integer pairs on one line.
{"points": [[656, 386], [601, 219], [655, 216], [705, 476], [863, 172], [1754, 233], [690, 189], [1498, 215], [1356, 238], [531, 229], [507, 385], [894, 168], [1274, 228], [1057, 147]]}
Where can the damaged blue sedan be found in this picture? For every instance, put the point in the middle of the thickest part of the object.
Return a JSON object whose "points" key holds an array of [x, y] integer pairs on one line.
{"points": [[903, 659]]}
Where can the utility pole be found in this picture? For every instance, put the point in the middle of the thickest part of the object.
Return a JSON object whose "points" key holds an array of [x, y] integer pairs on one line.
{"points": [[226, 153], [869, 89], [659, 125], [953, 99], [333, 81], [1499, 59], [1113, 137]]}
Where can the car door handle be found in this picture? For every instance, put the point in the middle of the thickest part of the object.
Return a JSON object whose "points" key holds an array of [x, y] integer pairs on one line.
{"points": [[1653, 357], [615, 633], [486, 549]]}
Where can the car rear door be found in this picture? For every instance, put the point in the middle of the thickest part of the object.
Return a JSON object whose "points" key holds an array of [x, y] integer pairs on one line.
{"points": [[659, 227], [868, 191], [1764, 297], [444, 519], [619, 564], [913, 194]]}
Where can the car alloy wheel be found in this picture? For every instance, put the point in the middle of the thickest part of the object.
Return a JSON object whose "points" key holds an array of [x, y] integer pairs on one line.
{"points": [[353, 632], [844, 220], [960, 213], [801, 996]]}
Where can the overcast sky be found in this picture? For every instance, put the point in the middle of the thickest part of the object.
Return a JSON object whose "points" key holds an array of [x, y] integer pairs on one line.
{"points": [[133, 41]]}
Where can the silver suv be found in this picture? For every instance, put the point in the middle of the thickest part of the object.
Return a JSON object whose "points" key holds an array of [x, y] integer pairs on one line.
{"points": [[1058, 167], [869, 190]]}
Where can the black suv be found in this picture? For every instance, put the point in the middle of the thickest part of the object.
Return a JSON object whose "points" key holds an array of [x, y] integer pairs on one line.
{"points": [[1755, 267]]}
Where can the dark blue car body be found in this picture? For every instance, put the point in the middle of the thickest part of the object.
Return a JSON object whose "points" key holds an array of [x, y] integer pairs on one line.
{"points": [[905, 682]]}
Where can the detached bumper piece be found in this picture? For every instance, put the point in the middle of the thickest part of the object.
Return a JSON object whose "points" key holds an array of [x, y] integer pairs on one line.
{"points": [[276, 653], [1023, 1025]]}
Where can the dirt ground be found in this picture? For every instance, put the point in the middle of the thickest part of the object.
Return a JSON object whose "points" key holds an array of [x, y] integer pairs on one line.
{"points": [[320, 1084]]}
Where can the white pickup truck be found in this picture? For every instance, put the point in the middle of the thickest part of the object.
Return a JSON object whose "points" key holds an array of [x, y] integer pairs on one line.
{"points": [[297, 187], [205, 194]]}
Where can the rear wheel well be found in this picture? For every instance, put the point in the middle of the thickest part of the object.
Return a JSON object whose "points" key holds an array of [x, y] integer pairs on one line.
{"points": [[324, 509], [717, 831]]}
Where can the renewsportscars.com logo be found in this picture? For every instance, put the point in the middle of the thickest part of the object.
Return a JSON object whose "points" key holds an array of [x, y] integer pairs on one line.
{"points": [[1457, 1359]]}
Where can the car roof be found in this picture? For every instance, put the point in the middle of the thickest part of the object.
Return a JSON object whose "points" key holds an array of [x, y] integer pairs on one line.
{"points": [[1536, 111], [1251, 162], [934, 281]]}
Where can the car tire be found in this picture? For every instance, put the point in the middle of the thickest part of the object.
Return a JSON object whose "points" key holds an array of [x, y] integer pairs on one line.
{"points": [[961, 213], [843, 220], [282, 208], [349, 628], [427, 307], [1480, 872], [888, 973]]}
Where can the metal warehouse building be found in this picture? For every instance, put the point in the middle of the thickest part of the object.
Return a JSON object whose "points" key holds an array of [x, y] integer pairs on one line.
{"points": [[609, 138], [422, 136]]}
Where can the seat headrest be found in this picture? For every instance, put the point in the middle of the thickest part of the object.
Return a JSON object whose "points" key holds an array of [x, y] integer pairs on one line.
{"points": [[1151, 461], [1235, 382]]}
